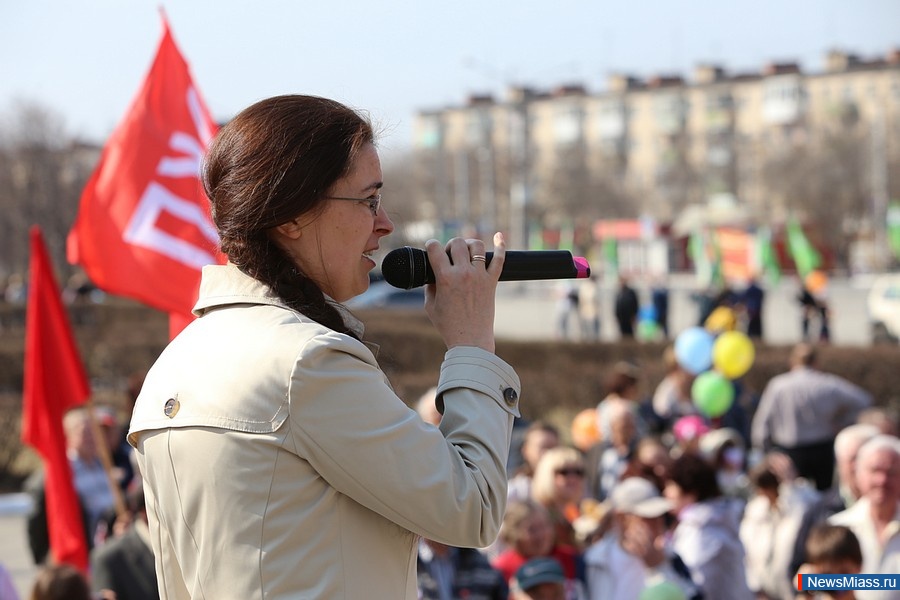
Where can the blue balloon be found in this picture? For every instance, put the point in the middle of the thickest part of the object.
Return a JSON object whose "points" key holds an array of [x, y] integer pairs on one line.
{"points": [[693, 350], [647, 313]]}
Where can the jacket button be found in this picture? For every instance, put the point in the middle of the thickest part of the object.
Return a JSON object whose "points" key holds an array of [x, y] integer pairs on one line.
{"points": [[510, 396], [171, 408]]}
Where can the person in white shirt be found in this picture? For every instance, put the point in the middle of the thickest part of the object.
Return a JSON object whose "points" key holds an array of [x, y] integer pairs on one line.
{"points": [[875, 517], [770, 523], [633, 555]]}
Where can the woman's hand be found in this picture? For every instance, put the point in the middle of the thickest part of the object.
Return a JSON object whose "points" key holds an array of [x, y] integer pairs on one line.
{"points": [[461, 301]]}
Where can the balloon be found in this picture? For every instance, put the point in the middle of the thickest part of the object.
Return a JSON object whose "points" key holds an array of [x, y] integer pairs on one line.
{"points": [[689, 427], [648, 330], [816, 281], [662, 591], [733, 354], [713, 394], [585, 431], [693, 350], [721, 319], [647, 313]]}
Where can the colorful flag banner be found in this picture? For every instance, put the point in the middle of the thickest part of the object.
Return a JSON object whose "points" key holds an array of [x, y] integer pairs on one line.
{"points": [[735, 248], [705, 254], [567, 236], [144, 229], [806, 257], [893, 229], [610, 251], [535, 237], [766, 256], [55, 381]]}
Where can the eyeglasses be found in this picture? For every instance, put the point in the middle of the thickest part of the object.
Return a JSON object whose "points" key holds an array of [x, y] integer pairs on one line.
{"points": [[570, 472], [374, 201]]}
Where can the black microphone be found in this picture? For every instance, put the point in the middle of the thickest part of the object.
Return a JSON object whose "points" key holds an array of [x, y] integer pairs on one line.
{"points": [[407, 268]]}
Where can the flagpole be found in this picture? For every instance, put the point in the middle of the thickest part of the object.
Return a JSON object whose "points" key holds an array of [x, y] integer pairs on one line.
{"points": [[104, 452]]}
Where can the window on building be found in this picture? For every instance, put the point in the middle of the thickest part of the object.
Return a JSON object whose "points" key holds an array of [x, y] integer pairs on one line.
{"points": [[567, 125]]}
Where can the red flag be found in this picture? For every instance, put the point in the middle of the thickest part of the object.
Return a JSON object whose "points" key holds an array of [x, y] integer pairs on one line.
{"points": [[55, 381], [144, 228]]}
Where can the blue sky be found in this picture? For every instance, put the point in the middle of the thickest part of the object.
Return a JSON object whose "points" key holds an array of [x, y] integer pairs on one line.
{"points": [[85, 60]]}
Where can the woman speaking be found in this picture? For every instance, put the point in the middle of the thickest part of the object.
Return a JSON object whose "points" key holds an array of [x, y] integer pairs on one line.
{"points": [[277, 461]]}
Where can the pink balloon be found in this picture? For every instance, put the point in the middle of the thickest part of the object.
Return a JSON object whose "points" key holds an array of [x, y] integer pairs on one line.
{"points": [[689, 427]]}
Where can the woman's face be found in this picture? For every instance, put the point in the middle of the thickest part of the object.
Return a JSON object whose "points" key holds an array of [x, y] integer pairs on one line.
{"points": [[334, 247], [568, 481], [536, 536]]}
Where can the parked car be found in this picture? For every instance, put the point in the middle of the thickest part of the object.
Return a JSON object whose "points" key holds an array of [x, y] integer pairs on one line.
{"points": [[383, 295], [884, 309]]}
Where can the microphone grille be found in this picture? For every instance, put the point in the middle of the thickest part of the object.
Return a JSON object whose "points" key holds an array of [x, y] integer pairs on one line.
{"points": [[404, 267]]}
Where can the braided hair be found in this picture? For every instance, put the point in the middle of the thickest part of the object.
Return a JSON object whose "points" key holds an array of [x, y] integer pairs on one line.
{"points": [[275, 161]]}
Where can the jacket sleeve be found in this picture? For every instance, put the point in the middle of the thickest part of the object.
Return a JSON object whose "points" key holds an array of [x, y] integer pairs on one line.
{"points": [[447, 484], [851, 400]]}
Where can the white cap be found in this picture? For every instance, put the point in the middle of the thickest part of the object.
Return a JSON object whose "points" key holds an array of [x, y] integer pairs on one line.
{"points": [[712, 441], [637, 496]]}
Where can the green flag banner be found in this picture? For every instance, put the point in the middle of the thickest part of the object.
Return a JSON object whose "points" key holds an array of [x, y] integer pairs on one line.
{"points": [[768, 260], [893, 229], [611, 257], [535, 237], [806, 258], [704, 251], [567, 236]]}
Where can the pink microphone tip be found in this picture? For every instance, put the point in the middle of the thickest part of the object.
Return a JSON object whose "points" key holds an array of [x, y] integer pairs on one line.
{"points": [[582, 268]]}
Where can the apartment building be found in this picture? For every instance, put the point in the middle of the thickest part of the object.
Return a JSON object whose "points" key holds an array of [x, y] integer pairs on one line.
{"points": [[664, 144]]}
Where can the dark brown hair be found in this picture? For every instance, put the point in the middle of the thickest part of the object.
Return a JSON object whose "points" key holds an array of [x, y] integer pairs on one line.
{"points": [[60, 582], [763, 477], [832, 543], [275, 161], [694, 475], [623, 377]]}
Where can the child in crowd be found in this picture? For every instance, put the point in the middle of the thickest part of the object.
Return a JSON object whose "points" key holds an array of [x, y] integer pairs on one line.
{"points": [[831, 549], [539, 579]]}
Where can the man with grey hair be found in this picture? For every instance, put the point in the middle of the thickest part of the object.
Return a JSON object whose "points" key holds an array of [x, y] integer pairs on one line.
{"points": [[839, 496], [801, 411], [875, 517], [95, 496]]}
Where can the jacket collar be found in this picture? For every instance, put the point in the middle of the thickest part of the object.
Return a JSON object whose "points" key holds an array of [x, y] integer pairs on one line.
{"points": [[221, 285]]}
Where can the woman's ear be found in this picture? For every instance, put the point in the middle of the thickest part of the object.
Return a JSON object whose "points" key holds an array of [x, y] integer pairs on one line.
{"points": [[291, 230]]}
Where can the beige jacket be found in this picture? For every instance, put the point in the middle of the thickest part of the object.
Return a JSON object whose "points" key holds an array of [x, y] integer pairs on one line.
{"points": [[278, 463]]}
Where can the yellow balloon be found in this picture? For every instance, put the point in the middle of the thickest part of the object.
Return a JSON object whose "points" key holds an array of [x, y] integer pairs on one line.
{"points": [[733, 354], [721, 319]]}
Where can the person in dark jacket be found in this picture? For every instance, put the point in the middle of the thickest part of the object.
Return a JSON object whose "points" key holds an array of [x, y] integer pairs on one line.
{"points": [[449, 572], [627, 307], [125, 564]]}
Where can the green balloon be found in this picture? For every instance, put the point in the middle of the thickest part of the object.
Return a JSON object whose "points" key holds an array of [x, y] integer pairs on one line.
{"points": [[662, 591], [712, 393], [648, 330]]}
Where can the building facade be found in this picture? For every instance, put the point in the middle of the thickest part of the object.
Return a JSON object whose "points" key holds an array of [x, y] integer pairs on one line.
{"points": [[651, 147]]}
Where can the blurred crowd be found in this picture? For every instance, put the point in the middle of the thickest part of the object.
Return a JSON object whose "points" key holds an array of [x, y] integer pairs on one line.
{"points": [[644, 497], [641, 496]]}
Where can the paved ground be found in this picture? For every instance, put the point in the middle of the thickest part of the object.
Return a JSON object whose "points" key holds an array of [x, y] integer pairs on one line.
{"points": [[527, 310], [14, 552]]}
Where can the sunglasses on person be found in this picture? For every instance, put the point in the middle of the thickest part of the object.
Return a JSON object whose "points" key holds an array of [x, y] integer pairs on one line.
{"points": [[570, 472]]}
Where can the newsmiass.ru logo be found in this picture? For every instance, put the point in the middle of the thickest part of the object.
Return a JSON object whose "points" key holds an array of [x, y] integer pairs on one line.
{"points": [[840, 581]]}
